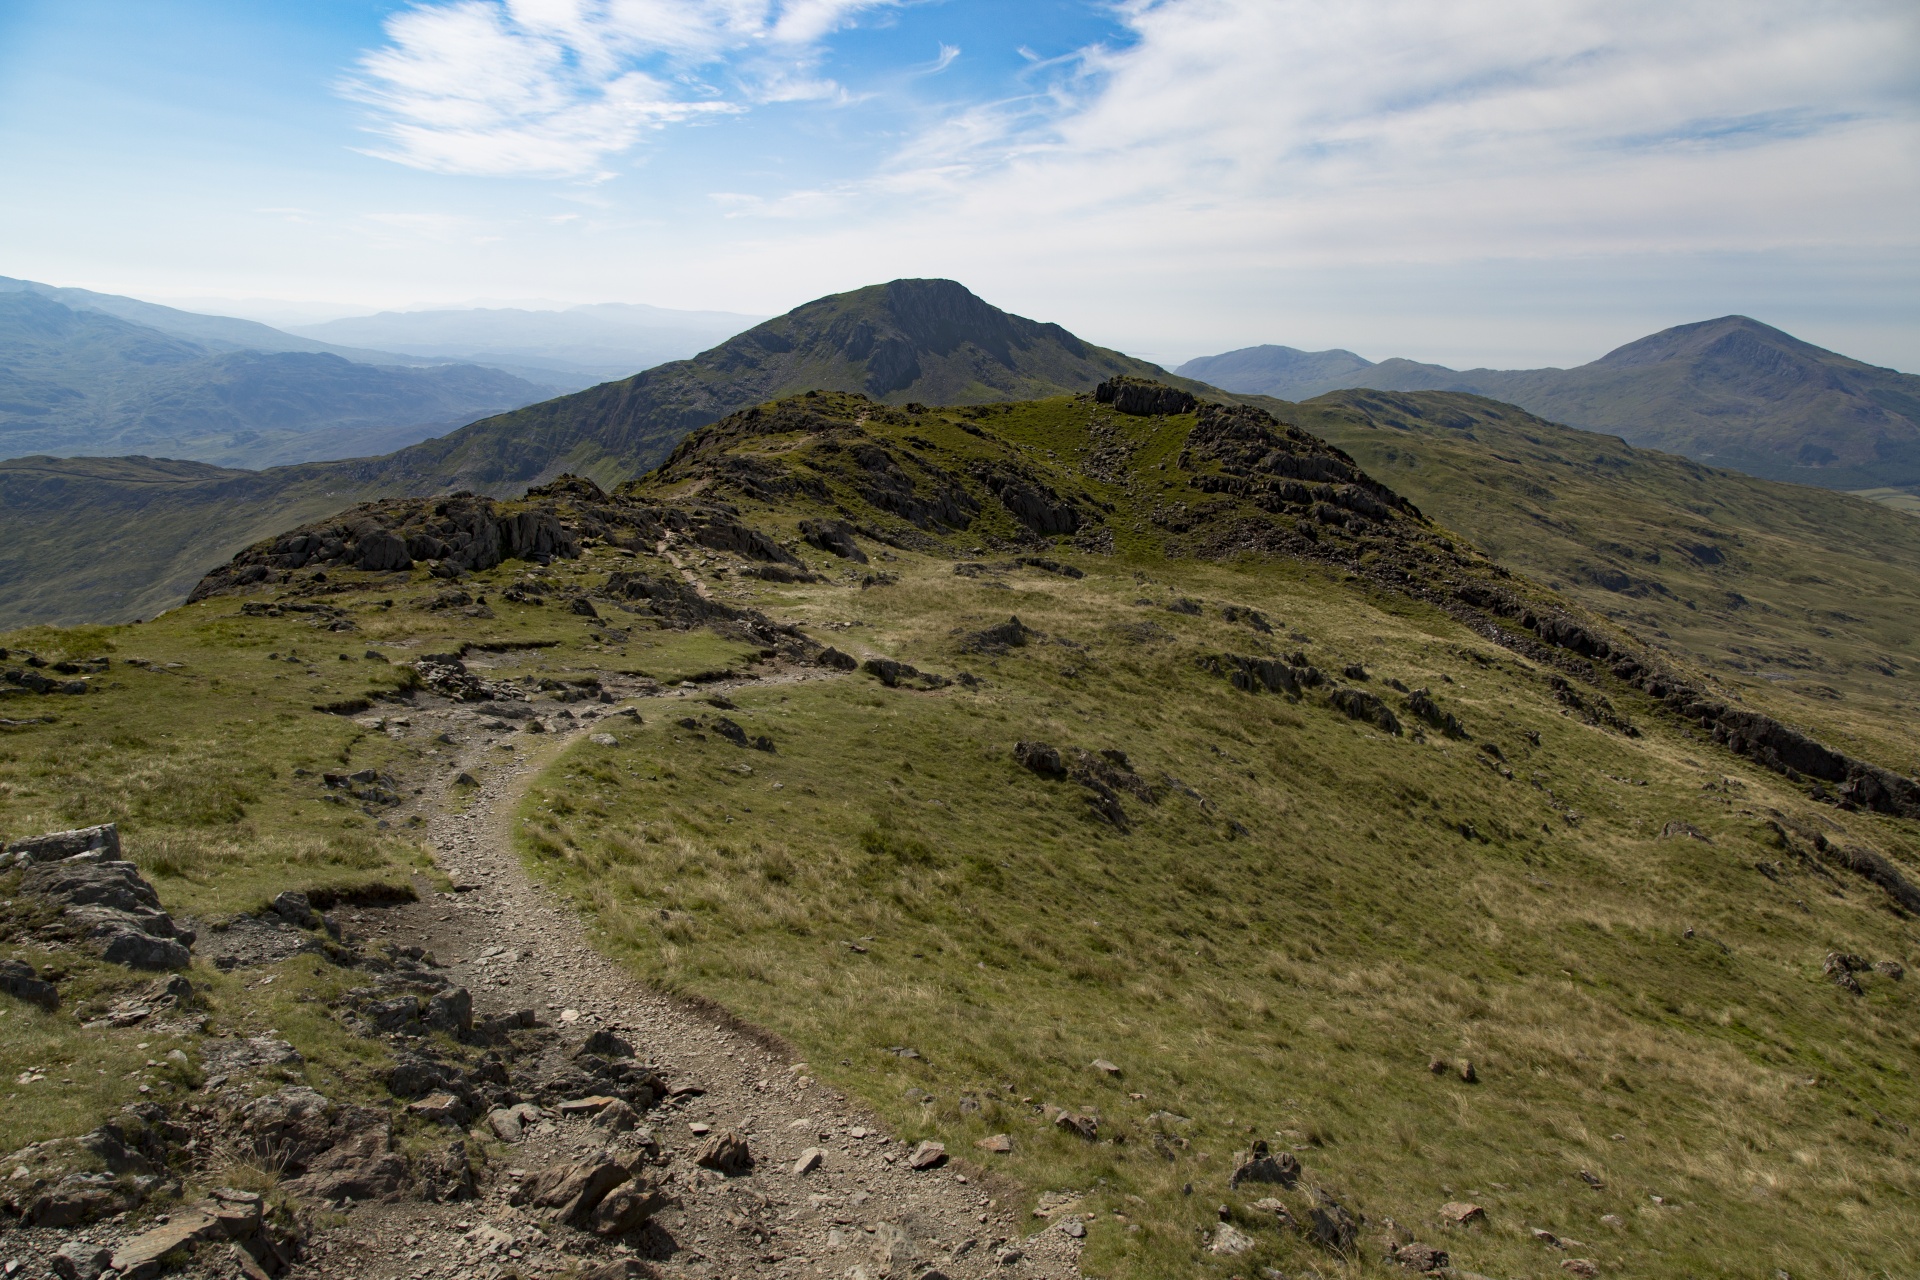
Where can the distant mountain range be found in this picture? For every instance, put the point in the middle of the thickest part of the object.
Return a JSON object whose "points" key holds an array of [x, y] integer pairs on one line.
{"points": [[78, 379], [577, 345], [91, 374], [133, 534], [1731, 392]]}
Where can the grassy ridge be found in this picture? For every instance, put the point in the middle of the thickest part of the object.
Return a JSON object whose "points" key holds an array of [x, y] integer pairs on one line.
{"points": [[1310, 913], [1801, 602]]}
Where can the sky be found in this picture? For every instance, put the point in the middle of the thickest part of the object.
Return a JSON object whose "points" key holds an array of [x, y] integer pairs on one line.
{"points": [[1508, 183]]}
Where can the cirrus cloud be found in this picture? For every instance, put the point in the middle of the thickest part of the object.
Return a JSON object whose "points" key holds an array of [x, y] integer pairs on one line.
{"points": [[557, 88]]}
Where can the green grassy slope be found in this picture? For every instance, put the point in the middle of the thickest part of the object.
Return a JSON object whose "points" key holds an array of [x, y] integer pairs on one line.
{"points": [[1308, 913], [1801, 601], [1296, 913]]}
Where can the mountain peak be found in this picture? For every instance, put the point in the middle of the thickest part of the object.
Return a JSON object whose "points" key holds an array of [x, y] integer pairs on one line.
{"points": [[1727, 334]]}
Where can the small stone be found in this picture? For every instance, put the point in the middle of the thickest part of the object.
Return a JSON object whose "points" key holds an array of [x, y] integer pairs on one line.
{"points": [[443, 1107], [697, 1129], [1267, 1204], [604, 740], [616, 1116], [928, 1155], [725, 1152], [1593, 1180], [1230, 1241], [1419, 1257], [810, 1159], [1437, 1066], [505, 1124], [1259, 1164], [626, 1208], [1087, 1126], [1104, 1067], [999, 1144], [584, 1106], [569, 1016], [1074, 1227], [1461, 1212], [1580, 1267]]}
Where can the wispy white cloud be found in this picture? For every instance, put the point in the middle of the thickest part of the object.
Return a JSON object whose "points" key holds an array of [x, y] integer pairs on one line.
{"points": [[557, 88]]}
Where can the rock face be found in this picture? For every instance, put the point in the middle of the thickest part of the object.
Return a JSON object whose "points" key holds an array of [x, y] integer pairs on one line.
{"points": [[457, 534], [1142, 397], [58, 845], [835, 536], [111, 909]]}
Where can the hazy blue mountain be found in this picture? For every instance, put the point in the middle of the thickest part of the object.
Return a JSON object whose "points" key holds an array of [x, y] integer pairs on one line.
{"points": [[1732, 392], [84, 382], [215, 333], [1283, 372], [585, 344]]}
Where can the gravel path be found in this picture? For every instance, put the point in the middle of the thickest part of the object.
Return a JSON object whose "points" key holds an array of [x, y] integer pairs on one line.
{"points": [[863, 1212]]}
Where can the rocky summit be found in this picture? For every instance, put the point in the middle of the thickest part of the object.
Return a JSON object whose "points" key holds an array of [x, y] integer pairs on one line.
{"points": [[1114, 832]]}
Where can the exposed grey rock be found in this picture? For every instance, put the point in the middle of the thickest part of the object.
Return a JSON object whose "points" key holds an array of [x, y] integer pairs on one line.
{"points": [[56, 845], [112, 909], [1230, 1241], [834, 536], [1259, 1164], [1143, 397], [293, 907], [18, 980], [1332, 1226]]}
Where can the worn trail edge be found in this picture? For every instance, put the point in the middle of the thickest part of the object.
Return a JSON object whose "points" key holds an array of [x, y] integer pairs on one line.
{"points": [[861, 1211]]}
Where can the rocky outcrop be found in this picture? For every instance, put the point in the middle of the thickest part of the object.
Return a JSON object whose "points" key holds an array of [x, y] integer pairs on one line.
{"points": [[109, 908], [1104, 775], [1143, 397], [834, 536], [452, 535], [57, 845]]}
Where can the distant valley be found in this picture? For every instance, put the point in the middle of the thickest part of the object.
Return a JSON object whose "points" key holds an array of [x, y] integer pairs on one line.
{"points": [[1731, 392], [94, 374]]}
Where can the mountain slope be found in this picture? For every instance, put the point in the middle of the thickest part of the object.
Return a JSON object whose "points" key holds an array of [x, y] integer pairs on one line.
{"points": [[908, 340], [85, 382], [1732, 392], [1220, 799], [911, 339], [1800, 600]]}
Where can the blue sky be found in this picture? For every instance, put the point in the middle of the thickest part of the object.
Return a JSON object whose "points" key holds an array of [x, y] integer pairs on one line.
{"points": [[1503, 182]]}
